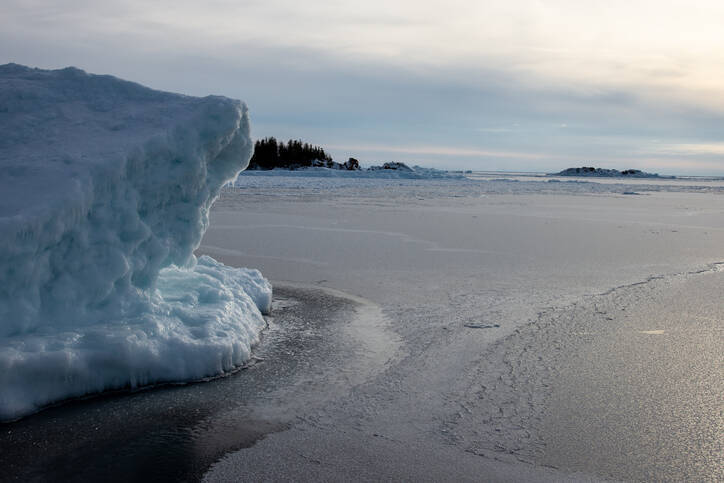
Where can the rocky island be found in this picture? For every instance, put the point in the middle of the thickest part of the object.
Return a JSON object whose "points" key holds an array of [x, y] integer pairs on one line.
{"points": [[296, 155], [608, 173]]}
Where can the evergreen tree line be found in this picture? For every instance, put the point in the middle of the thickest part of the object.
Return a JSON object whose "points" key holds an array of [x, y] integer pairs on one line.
{"points": [[270, 153]]}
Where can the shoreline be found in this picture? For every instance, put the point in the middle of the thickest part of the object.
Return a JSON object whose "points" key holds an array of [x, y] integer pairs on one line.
{"points": [[176, 431]]}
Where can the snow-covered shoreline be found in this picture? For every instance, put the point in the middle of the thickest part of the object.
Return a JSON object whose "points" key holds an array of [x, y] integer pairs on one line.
{"points": [[375, 172], [592, 172], [106, 195]]}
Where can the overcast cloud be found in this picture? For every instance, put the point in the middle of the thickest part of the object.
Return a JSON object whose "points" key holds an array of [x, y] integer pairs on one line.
{"points": [[515, 85]]}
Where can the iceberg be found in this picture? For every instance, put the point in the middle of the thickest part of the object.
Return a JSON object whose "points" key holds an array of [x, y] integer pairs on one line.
{"points": [[104, 196]]}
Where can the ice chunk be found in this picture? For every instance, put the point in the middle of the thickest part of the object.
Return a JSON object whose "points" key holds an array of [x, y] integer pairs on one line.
{"points": [[104, 196]]}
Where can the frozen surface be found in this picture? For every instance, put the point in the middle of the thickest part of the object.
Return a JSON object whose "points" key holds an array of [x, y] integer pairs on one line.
{"points": [[500, 326], [499, 288], [322, 184], [105, 194]]}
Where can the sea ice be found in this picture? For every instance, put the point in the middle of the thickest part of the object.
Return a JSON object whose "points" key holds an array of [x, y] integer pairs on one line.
{"points": [[104, 196]]}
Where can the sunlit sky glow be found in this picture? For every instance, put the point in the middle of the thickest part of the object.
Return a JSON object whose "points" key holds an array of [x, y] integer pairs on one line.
{"points": [[507, 85]]}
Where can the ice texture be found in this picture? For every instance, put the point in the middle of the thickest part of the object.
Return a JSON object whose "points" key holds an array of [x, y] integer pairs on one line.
{"points": [[105, 191]]}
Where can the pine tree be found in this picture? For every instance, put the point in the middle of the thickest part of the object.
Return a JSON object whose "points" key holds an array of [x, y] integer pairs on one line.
{"points": [[270, 154]]}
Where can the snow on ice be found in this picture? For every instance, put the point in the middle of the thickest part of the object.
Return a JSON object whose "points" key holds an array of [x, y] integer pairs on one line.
{"points": [[104, 196]]}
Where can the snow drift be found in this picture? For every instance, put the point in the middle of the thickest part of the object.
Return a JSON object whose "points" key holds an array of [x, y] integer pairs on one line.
{"points": [[104, 196]]}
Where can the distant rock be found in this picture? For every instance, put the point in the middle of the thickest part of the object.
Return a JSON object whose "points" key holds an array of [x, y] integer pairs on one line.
{"points": [[351, 165], [608, 173], [392, 165]]}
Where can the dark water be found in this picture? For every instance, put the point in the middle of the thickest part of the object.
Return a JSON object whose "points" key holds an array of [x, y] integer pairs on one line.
{"points": [[175, 432]]}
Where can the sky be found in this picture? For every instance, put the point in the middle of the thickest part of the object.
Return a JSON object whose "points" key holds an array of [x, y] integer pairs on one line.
{"points": [[516, 85]]}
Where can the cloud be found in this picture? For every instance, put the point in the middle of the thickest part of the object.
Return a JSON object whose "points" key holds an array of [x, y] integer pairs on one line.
{"points": [[440, 151], [454, 82], [686, 149]]}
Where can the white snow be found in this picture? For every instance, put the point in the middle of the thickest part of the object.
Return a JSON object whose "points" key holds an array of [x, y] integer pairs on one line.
{"points": [[104, 196]]}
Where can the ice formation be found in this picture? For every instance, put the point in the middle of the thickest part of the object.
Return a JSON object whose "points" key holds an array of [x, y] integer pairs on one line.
{"points": [[104, 195]]}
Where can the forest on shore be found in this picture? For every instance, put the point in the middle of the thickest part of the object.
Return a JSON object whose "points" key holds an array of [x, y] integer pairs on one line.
{"points": [[270, 153]]}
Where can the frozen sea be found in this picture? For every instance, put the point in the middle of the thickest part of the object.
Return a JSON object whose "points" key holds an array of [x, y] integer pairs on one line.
{"points": [[561, 323], [496, 327]]}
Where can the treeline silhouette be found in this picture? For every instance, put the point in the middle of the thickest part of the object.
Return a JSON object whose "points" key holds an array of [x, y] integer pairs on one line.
{"points": [[270, 153]]}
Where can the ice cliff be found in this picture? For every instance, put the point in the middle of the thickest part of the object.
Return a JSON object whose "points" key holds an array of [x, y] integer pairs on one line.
{"points": [[105, 191]]}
